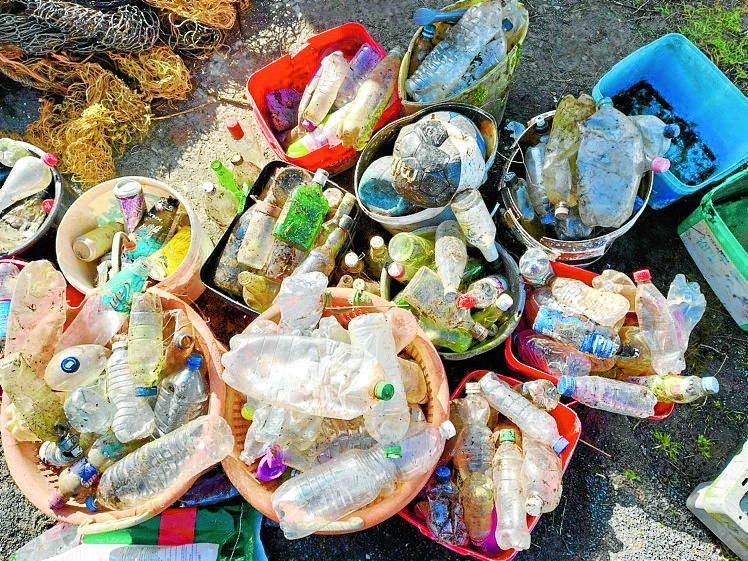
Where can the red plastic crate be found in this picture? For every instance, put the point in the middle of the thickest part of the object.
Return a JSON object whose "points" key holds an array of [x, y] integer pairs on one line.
{"points": [[568, 426], [662, 410], [295, 72]]}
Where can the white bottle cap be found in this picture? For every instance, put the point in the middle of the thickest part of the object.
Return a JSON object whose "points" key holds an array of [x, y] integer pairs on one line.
{"points": [[447, 429], [321, 176], [127, 188], [504, 302], [351, 259], [208, 187], [534, 505]]}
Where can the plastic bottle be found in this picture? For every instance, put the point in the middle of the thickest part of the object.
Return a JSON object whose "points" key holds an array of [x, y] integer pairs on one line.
{"points": [[245, 144], [551, 356], [87, 410], [95, 243], [371, 100], [326, 134], [497, 312], [489, 56], [536, 193], [656, 137], [183, 453], [474, 450], [511, 527], [36, 314], [678, 389], [226, 179], [456, 340], [445, 509], [541, 477], [532, 421], [294, 372], [535, 267], [301, 303], [634, 336], [58, 539], [410, 251], [447, 62], [476, 222], [182, 397], [310, 501], [157, 223], [659, 326], [303, 213], [609, 395], [39, 406], [257, 242], [687, 304], [362, 63], [145, 338], [8, 274], [518, 190], [582, 334], [133, 417], [482, 293], [376, 256], [425, 293], [615, 281], [450, 254], [477, 504], [571, 226], [333, 71], [258, 292], [96, 323], [29, 176], [422, 47], [220, 203], [542, 393], [605, 308], [178, 337], [11, 151], [515, 18]]}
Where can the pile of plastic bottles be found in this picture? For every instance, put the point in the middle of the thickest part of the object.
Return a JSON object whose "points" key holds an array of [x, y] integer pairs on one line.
{"points": [[118, 398], [341, 104], [152, 242], [448, 58], [25, 195], [505, 465], [339, 406], [296, 227], [617, 345], [583, 172]]}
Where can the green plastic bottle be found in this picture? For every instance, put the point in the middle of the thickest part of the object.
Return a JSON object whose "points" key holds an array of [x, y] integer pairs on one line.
{"points": [[302, 215], [410, 252], [456, 340], [226, 178]]}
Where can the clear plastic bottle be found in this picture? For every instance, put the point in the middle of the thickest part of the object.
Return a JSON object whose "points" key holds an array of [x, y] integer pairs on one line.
{"points": [[362, 63], [483, 292], [386, 420], [376, 256], [29, 176], [490, 55], [96, 324], [258, 292], [326, 83], [605, 308], [656, 137], [535, 267], [450, 254], [582, 334], [511, 527], [411, 252], [258, 238], [542, 393], [518, 189], [297, 373], [182, 397], [145, 338], [310, 501], [245, 144], [678, 389], [477, 504], [541, 477], [220, 204], [58, 539], [658, 323], [8, 274], [133, 417], [687, 304], [39, 406], [615, 281], [301, 302], [476, 222], [302, 215], [447, 62], [178, 337], [571, 227], [422, 47], [11, 151], [183, 453], [445, 521], [88, 411], [515, 18], [634, 336], [532, 421], [534, 160], [611, 395], [326, 134], [474, 449], [372, 98]]}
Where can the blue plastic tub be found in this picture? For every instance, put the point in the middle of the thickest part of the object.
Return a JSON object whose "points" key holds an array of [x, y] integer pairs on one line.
{"points": [[699, 93]]}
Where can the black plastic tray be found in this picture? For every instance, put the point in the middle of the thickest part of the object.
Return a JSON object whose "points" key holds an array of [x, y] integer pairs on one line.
{"points": [[207, 271]]}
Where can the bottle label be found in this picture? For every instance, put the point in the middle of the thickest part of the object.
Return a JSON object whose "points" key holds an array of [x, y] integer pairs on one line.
{"points": [[598, 345], [4, 308]]}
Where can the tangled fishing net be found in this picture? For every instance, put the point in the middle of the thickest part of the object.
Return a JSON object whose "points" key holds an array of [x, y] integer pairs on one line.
{"points": [[99, 65]]}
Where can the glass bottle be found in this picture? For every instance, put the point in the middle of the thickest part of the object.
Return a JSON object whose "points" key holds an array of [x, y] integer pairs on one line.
{"points": [[258, 237], [226, 178], [376, 256], [302, 215], [422, 47], [220, 204], [411, 251]]}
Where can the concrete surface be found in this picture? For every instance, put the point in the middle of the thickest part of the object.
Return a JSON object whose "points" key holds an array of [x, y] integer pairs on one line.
{"points": [[604, 514]]}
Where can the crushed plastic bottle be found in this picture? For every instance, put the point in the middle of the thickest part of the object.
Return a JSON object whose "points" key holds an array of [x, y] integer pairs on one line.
{"points": [[609, 395], [531, 420], [181, 454], [541, 477], [145, 338], [542, 393], [473, 449], [58, 539], [450, 254], [88, 411], [620, 283], [310, 501], [678, 389], [511, 527], [476, 222], [133, 417], [687, 305], [445, 521], [477, 504], [301, 302], [29, 176]]}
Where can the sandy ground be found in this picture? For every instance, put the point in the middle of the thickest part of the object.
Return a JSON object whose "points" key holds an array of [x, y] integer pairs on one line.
{"points": [[604, 515]]}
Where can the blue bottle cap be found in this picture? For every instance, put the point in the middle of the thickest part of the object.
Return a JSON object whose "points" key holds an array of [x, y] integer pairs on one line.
{"points": [[195, 360], [91, 504], [548, 218], [710, 385], [560, 445], [510, 177], [70, 364], [566, 385], [146, 392], [429, 31], [442, 474], [507, 25], [671, 131]]}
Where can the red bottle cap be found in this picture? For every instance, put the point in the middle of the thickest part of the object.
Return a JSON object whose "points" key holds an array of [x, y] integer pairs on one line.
{"points": [[50, 159], [47, 205], [232, 123], [466, 301], [396, 270], [642, 275]]}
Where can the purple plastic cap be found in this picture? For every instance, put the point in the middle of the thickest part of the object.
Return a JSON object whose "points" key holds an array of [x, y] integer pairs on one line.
{"points": [[671, 131], [560, 445], [271, 465], [55, 500]]}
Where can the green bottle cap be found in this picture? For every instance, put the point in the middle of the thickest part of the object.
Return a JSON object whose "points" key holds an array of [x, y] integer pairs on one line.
{"points": [[393, 452], [507, 435], [384, 391]]}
